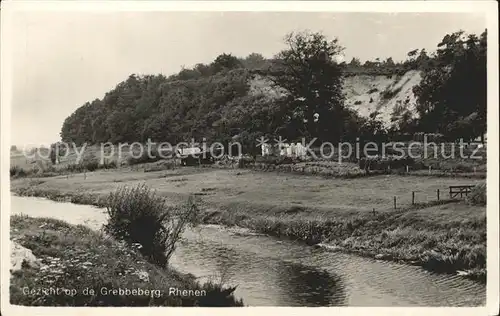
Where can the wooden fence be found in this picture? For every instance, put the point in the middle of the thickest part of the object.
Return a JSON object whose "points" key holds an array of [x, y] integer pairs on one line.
{"points": [[462, 190], [455, 191]]}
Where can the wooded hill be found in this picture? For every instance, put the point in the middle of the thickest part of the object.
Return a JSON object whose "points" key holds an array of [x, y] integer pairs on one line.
{"points": [[253, 96]]}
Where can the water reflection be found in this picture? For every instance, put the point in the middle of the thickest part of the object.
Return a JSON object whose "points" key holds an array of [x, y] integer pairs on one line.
{"points": [[273, 272], [311, 287], [263, 279]]}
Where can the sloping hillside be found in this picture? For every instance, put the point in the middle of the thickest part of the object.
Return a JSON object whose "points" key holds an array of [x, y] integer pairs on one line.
{"points": [[368, 94], [364, 93]]}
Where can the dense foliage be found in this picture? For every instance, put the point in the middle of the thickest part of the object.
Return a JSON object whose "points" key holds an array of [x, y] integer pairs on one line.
{"points": [[452, 94], [139, 217], [477, 195], [215, 101], [306, 70]]}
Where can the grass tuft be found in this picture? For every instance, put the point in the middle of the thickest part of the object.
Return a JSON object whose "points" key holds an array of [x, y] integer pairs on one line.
{"points": [[477, 195], [138, 216]]}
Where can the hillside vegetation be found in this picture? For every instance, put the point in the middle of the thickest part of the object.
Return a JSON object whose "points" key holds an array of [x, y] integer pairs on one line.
{"points": [[442, 92], [383, 94]]}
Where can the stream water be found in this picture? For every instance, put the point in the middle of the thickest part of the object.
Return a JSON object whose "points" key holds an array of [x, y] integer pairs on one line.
{"points": [[273, 272]]}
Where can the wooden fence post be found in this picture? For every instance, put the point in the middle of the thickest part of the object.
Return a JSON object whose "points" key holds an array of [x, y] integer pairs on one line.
{"points": [[437, 194], [413, 198], [395, 203], [407, 169], [429, 170]]}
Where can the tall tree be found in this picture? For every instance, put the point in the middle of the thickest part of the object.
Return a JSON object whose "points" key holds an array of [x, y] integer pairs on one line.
{"points": [[308, 72], [225, 61], [451, 98], [254, 61], [355, 62]]}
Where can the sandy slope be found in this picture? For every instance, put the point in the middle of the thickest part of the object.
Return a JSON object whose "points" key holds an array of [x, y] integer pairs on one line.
{"points": [[365, 93]]}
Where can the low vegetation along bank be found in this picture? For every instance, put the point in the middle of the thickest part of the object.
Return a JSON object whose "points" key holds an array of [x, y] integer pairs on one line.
{"points": [[404, 235], [442, 236], [124, 265]]}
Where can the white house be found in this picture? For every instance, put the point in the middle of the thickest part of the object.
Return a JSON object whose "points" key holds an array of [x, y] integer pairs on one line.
{"points": [[289, 150], [188, 151]]}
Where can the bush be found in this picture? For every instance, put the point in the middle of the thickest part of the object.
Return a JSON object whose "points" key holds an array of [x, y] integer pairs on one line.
{"points": [[275, 160], [159, 166], [108, 165], [388, 93], [146, 156], [16, 171], [218, 296], [245, 161], [74, 168], [385, 163], [88, 259], [139, 217], [477, 195], [91, 165]]}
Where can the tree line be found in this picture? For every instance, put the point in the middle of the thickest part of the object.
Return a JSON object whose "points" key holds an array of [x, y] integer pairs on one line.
{"points": [[214, 101]]}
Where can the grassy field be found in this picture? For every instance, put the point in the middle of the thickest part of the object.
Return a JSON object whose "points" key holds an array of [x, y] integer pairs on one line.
{"points": [[76, 258], [262, 190], [93, 157], [354, 215]]}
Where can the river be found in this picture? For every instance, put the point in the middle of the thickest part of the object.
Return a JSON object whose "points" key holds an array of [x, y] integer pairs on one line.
{"points": [[273, 272]]}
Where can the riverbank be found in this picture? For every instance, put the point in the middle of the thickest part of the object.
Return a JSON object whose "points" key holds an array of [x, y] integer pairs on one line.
{"points": [[80, 267], [403, 235], [340, 215]]}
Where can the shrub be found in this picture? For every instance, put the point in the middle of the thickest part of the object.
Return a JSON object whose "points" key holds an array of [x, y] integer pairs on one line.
{"points": [[372, 90], [388, 93], [245, 161], [74, 168], [358, 102], [139, 217], [88, 164], [81, 258], [163, 165], [109, 164], [274, 160], [146, 156], [16, 171], [477, 195], [91, 165], [218, 296], [384, 163]]}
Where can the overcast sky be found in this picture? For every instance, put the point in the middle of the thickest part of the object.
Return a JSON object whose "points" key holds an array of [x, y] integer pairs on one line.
{"points": [[62, 60]]}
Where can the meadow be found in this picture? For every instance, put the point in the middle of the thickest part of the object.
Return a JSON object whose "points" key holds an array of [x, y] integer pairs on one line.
{"points": [[353, 215]]}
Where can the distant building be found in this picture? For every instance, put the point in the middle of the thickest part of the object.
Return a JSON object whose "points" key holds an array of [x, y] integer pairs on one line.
{"points": [[288, 150], [188, 151], [194, 156]]}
